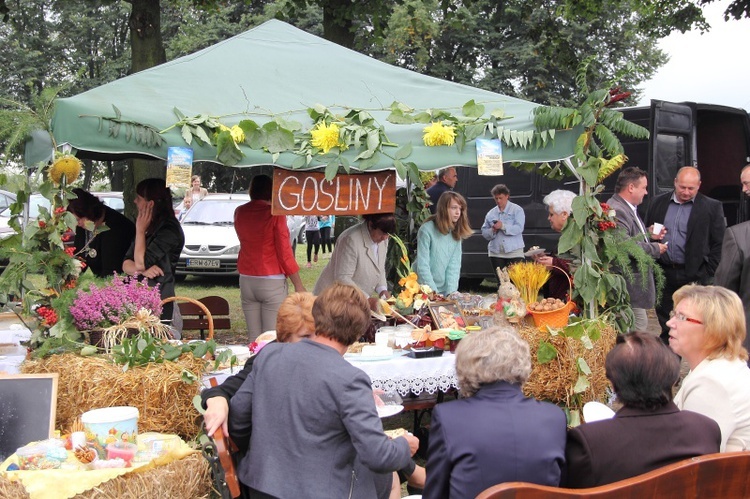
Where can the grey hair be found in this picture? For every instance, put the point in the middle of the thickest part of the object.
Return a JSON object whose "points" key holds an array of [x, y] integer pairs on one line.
{"points": [[560, 201], [491, 355]]}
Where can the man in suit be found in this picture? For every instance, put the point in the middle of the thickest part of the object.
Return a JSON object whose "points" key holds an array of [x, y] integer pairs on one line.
{"points": [[447, 179], [315, 428], [649, 431], [631, 188], [734, 268], [694, 226]]}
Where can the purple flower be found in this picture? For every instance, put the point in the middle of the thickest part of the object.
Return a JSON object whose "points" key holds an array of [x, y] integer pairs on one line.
{"points": [[114, 303]]}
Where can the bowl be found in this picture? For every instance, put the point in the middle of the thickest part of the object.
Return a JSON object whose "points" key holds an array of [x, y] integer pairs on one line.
{"points": [[122, 450]]}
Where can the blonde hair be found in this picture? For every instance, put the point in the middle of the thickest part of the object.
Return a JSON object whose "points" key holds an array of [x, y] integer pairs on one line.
{"points": [[723, 319], [442, 218], [495, 354], [295, 312]]}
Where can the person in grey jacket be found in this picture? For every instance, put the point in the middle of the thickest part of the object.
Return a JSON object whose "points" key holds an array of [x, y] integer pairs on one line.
{"points": [[503, 228], [631, 188], [315, 428]]}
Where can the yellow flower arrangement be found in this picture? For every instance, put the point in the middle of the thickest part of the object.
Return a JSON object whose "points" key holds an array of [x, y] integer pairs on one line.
{"points": [[437, 134], [67, 166], [325, 136]]}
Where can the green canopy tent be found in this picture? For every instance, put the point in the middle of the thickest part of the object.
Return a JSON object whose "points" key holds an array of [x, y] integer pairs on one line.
{"points": [[278, 70]]}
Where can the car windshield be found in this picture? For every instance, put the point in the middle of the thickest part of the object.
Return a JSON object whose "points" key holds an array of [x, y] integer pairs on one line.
{"points": [[213, 212]]}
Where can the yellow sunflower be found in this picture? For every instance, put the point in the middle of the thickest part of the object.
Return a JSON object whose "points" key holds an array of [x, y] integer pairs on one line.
{"points": [[438, 134], [325, 137], [238, 134], [67, 166]]}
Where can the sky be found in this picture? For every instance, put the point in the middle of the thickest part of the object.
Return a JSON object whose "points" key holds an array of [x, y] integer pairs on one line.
{"points": [[712, 68]]}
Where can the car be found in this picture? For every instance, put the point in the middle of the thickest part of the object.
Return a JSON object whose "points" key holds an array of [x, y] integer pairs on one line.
{"points": [[112, 199], [211, 243], [296, 226]]}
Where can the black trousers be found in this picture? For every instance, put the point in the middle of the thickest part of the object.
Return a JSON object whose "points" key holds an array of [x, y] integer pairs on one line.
{"points": [[502, 262], [675, 279]]}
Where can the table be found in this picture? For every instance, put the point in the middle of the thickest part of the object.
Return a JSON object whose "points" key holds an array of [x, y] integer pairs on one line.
{"points": [[407, 375]]}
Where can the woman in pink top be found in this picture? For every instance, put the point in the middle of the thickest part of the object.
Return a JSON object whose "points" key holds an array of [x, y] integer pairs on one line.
{"points": [[265, 260]]}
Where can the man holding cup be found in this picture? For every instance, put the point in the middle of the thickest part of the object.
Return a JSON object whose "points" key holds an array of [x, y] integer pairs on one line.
{"points": [[631, 188], [694, 229]]}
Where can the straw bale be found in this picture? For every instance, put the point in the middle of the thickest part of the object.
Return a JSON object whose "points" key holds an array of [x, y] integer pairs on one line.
{"points": [[12, 489], [164, 400], [188, 478], [554, 380]]}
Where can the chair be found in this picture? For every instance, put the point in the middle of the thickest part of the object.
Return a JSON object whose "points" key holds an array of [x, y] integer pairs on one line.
{"points": [[710, 476], [219, 451], [199, 315]]}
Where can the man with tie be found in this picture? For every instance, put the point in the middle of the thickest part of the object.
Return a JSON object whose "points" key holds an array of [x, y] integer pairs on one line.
{"points": [[631, 188], [694, 231]]}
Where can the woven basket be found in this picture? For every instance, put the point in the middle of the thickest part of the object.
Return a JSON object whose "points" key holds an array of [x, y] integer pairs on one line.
{"points": [[554, 318]]}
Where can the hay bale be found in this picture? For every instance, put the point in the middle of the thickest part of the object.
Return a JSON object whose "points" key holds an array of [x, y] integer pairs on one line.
{"points": [[164, 400], [554, 380], [12, 489], [189, 477]]}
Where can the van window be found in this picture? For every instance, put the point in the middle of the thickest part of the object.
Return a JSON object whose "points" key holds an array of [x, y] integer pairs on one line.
{"points": [[670, 155]]}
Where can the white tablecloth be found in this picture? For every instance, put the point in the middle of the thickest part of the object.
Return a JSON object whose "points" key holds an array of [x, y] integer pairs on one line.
{"points": [[407, 375]]}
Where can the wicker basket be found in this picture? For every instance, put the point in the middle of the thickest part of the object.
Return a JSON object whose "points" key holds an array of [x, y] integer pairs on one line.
{"points": [[554, 318]]}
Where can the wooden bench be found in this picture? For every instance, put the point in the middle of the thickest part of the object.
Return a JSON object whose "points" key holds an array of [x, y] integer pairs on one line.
{"points": [[710, 476], [194, 317]]}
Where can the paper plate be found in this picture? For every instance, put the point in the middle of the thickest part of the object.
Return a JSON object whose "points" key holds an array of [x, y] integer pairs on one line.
{"points": [[358, 357], [596, 411], [389, 410]]}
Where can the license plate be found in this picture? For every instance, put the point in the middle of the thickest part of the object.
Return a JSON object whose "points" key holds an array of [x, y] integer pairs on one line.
{"points": [[202, 262]]}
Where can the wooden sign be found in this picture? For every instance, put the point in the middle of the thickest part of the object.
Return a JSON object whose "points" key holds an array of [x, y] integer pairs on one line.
{"points": [[28, 403], [302, 193]]}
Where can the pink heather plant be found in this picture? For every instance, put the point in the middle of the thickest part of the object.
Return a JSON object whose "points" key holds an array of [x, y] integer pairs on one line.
{"points": [[114, 303]]}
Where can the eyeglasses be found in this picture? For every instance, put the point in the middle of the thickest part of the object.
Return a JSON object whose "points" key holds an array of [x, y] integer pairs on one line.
{"points": [[682, 318]]}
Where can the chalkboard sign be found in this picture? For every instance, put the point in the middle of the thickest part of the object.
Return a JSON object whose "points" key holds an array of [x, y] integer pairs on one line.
{"points": [[27, 410]]}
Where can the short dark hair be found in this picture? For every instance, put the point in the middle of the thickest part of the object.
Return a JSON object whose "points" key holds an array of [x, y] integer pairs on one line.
{"points": [[642, 371], [629, 175], [86, 205], [261, 187], [341, 313], [500, 189], [386, 222]]}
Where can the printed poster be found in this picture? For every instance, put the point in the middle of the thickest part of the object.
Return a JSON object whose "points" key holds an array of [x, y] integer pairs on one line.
{"points": [[489, 156], [179, 167]]}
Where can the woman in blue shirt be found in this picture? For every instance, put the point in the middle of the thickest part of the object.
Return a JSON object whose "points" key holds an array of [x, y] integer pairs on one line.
{"points": [[439, 244]]}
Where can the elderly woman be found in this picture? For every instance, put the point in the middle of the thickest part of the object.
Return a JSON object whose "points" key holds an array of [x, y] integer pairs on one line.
{"points": [[158, 240], [105, 249], [706, 329], [293, 322], [315, 428], [359, 257], [266, 259], [494, 434], [560, 206], [439, 239], [649, 431]]}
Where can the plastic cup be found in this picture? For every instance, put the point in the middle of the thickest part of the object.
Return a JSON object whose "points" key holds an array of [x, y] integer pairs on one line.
{"points": [[657, 228]]}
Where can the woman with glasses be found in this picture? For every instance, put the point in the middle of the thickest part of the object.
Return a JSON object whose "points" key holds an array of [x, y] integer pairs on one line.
{"points": [[706, 328]]}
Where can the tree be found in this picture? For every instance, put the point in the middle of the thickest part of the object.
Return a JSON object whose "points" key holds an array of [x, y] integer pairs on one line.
{"points": [[736, 10]]}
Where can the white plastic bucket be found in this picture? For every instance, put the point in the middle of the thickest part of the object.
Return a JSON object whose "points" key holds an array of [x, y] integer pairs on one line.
{"points": [[110, 425]]}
